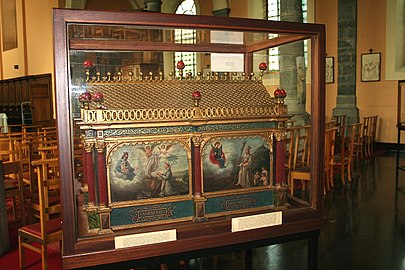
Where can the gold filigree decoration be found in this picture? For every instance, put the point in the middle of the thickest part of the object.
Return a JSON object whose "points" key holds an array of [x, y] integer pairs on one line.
{"points": [[280, 135]]}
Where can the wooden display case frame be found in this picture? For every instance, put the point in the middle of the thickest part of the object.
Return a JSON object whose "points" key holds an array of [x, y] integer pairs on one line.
{"points": [[191, 237]]}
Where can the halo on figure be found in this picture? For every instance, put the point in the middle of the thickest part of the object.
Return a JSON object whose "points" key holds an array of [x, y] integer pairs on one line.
{"points": [[217, 143]]}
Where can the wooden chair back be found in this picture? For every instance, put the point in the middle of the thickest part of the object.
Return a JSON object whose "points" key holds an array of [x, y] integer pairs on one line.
{"points": [[356, 135], [13, 180], [48, 229], [45, 170], [330, 137], [369, 134], [302, 151], [301, 157], [290, 139]]}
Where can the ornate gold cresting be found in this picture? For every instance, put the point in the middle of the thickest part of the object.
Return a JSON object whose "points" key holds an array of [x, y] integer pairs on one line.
{"points": [[96, 110]]}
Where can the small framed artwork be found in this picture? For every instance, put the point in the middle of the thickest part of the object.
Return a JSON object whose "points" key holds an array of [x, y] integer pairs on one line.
{"points": [[370, 67], [329, 69]]}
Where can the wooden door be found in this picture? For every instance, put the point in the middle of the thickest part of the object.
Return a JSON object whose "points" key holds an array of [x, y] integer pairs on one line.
{"points": [[41, 102]]}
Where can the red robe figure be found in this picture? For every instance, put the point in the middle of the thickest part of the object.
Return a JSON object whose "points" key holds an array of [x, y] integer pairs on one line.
{"points": [[217, 156]]}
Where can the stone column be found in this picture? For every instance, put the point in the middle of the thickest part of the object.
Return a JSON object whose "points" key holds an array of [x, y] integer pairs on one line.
{"points": [[220, 8], [292, 65], [153, 5], [347, 41]]}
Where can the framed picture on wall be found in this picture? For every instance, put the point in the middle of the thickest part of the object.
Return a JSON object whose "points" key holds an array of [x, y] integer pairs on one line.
{"points": [[370, 67], [329, 70]]}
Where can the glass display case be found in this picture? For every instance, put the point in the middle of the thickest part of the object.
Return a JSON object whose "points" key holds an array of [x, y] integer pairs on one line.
{"points": [[172, 133]]}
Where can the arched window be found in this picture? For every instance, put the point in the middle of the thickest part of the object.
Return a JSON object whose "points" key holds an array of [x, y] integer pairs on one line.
{"points": [[185, 36], [273, 13]]}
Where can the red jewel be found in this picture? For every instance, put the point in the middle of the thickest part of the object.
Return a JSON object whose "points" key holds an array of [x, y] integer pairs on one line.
{"points": [[86, 96], [181, 65], [262, 66], [284, 93], [196, 94], [87, 63], [278, 93], [98, 96]]}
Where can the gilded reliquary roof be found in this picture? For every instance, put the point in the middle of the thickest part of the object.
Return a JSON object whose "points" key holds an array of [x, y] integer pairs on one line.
{"points": [[180, 99]]}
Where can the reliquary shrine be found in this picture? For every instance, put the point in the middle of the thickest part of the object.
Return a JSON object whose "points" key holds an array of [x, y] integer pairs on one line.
{"points": [[182, 148], [161, 157]]}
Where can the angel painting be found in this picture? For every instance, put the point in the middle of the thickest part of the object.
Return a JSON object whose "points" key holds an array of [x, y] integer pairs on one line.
{"points": [[152, 160], [164, 151], [156, 169], [153, 157], [234, 163]]}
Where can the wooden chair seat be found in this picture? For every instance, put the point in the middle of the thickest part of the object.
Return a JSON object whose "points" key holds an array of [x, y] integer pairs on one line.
{"points": [[10, 184], [52, 226]]}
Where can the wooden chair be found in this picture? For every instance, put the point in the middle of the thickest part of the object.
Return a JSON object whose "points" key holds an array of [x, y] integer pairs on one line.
{"points": [[330, 137], [290, 136], [341, 132], [48, 152], [13, 178], [37, 236], [46, 169], [14, 186], [301, 157], [330, 124], [342, 161], [369, 134], [357, 141]]}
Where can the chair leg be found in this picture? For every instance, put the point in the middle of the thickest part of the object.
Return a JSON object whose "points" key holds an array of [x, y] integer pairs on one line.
{"points": [[331, 180], [14, 207], [44, 257], [21, 253], [292, 186]]}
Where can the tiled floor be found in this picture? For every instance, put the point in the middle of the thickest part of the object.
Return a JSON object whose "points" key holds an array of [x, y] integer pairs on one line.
{"points": [[365, 229]]}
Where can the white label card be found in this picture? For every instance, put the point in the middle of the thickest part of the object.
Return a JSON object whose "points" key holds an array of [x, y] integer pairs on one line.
{"points": [[141, 239], [256, 221], [227, 62], [226, 37]]}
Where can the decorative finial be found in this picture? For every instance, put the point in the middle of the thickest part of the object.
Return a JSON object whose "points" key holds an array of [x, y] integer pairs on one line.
{"points": [[85, 99], [180, 66], [280, 94], [262, 67], [196, 97], [87, 64], [98, 98]]}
